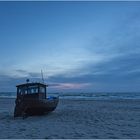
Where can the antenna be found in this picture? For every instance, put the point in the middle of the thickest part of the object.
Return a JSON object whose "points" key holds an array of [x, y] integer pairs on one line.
{"points": [[42, 76]]}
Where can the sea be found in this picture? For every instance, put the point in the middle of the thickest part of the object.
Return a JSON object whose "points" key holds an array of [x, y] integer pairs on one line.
{"points": [[85, 96]]}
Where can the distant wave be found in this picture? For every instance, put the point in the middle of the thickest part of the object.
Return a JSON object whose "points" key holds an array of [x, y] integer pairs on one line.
{"points": [[104, 95], [7, 95], [86, 96]]}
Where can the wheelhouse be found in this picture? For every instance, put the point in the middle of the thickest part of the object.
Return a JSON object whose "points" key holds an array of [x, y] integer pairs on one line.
{"points": [[32, 90]]}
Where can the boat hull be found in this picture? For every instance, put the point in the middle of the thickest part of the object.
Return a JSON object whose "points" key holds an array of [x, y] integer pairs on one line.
{"points": [[31, 107]]}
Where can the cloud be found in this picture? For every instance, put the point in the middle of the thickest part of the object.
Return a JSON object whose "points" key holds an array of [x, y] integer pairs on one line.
{"points": [[70, 86], [103, 52]]}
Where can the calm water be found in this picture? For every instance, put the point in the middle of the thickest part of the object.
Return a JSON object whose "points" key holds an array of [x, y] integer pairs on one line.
{"points": [[88, 96]]}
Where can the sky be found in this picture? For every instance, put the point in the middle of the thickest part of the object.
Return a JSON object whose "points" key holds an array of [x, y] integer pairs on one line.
{"points": [[80, 46]]}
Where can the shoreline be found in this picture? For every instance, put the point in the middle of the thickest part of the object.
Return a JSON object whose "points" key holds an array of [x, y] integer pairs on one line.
{"points": [[83, 99], [12, 100]]}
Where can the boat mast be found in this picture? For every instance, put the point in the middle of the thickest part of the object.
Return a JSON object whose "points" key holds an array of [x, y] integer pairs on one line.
{"points": [[42, 76]]}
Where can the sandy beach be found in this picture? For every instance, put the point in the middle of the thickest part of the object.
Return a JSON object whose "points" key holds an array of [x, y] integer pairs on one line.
{"points": [[96, 119]]}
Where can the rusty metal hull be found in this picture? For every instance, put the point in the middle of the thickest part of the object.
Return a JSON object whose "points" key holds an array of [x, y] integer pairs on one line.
{"points": [[30, 107]]}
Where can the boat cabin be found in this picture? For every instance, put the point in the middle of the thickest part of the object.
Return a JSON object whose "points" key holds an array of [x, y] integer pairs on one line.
{"points": [[32, 90]]}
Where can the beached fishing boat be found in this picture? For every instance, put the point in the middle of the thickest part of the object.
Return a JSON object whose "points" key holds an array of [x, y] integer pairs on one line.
{"points": [[32, 100]]}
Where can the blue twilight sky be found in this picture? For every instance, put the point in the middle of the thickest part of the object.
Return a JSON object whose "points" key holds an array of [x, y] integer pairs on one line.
{"points": [[80, 46]]}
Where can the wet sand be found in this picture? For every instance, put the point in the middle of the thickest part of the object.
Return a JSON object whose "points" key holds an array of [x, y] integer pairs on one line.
{"points": [[96, 119]]}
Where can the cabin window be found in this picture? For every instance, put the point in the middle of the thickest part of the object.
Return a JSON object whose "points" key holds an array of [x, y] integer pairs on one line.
{"points": [[28, 90], [23, 90], [32, 89], [42, 89]]}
